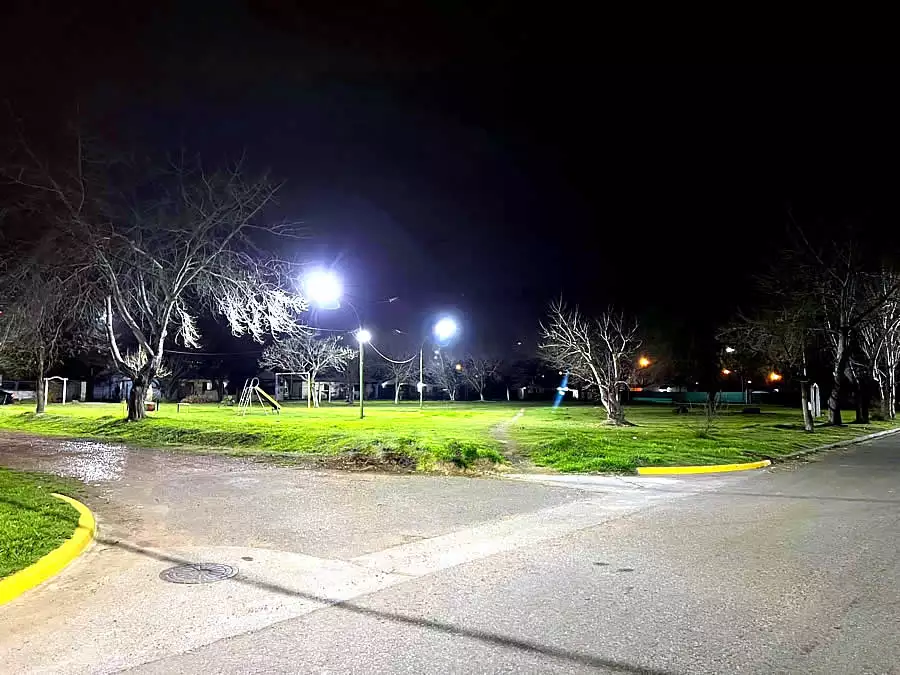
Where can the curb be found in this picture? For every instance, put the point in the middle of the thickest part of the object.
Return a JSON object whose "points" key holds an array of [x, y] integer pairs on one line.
{"points": [[838, 444], [51, 564], [720, 468], [709, 468]]}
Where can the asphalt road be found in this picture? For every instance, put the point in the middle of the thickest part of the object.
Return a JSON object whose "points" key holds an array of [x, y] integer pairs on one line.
{"points": [[788, 570]]}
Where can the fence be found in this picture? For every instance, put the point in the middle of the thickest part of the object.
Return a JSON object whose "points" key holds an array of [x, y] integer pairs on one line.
{"points": [[26, 390]]}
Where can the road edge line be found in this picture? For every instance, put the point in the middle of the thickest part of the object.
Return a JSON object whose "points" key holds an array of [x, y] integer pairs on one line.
{"points": [[56, 560], [708, 468], [837, 444]]}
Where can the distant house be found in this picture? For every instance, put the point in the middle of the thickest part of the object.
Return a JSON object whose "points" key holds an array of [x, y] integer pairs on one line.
{"points": [[329, 386], [114, 387], [198, 389]]}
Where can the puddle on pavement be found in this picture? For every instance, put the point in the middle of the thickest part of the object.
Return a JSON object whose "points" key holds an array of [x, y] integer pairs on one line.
{"points": [[88, 461]]}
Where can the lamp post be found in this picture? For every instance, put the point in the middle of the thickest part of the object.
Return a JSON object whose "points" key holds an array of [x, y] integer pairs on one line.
{"points": [[362, 336], [323, 287], [421, 381], [443, 330], [736, 371]]}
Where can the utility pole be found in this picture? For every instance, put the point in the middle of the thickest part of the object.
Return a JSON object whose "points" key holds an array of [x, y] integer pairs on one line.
{"points": [[362, 412], [421, 376]]}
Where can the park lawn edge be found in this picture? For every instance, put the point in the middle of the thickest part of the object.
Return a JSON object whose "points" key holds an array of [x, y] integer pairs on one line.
{"points": [[573, 440], [33, 522], [455, 456]]}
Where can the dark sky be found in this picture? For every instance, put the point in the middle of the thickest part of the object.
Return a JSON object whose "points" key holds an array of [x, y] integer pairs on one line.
{"points": [[480, 156]]}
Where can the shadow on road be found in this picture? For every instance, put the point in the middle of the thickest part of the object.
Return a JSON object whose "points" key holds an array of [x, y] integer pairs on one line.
{"points": [[349, 606], [451, 629]]}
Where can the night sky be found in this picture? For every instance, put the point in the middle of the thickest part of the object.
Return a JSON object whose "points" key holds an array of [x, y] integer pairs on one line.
{"points": [[480, 157]]}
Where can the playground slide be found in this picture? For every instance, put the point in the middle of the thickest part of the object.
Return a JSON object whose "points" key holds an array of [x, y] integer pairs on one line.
{"points": [[271, 401]]}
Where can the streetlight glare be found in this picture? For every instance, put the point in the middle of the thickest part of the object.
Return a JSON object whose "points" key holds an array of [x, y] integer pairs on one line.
{"points": [[445, 329], [323, 287], [729, 350], [643, 362], [363, 336]]}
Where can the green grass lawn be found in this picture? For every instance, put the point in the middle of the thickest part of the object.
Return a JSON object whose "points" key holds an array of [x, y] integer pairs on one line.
{"points": [[571, 438], [456, 434], [575, 438], [32, 522]]}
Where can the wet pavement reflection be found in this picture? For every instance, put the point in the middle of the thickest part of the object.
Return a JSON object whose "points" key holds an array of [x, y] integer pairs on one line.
{"points": [[88, 461]]}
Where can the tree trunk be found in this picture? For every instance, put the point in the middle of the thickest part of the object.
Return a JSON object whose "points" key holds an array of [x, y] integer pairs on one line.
{"points": [[808, 421], [314, 389], [840, 365], [862, 402], [40, 385], [481, 396], [452, 394], [860, 395], [854, 383], [136, 399], [892, 393], [350, 382], [396, 390], [615, 413]]}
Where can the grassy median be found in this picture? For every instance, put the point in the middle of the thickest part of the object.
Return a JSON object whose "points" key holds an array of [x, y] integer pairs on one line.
{"points": [[576, 439], [32, 521], [571, 438], [457, 435]]}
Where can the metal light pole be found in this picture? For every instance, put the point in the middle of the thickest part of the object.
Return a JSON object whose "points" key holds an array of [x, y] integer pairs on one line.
{"points": [[443, 331], [421, 376], [363, 336], [362, 405]]}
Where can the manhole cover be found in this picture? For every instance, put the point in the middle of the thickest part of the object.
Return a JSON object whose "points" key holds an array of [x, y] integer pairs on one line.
{"points": [[198, 573]]}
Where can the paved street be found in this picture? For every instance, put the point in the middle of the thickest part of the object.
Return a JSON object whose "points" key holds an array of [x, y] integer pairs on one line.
{"points": [[788, 570]]}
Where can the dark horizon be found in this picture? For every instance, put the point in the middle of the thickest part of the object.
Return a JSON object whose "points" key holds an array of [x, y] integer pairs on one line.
{"points": [[488, 174]]}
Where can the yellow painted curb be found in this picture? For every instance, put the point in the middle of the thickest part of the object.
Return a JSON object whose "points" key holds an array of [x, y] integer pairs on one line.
{"points": [[712, 468], [15, 584]]}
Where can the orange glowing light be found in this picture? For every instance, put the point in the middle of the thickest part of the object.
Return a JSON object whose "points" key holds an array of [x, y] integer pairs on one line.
{"points": [[643, 362], [774, 377], [725, 371]]}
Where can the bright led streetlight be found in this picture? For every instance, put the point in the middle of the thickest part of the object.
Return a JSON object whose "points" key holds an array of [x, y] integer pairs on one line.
{"points": [[443, 330], [363, 336], [323, 288], [729, 350]]}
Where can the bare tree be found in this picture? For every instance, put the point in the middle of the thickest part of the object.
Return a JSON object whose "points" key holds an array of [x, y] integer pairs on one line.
{"points": [[783, 338], [157, 246], [478, 372], [401, 371], [598, 351], [445, 371], [880, 339], [43, 315], [832, 278], [178, 367], [308, 352]]}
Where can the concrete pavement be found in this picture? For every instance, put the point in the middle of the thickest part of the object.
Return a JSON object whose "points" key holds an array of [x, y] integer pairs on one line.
{"points": [[789, 570]]}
